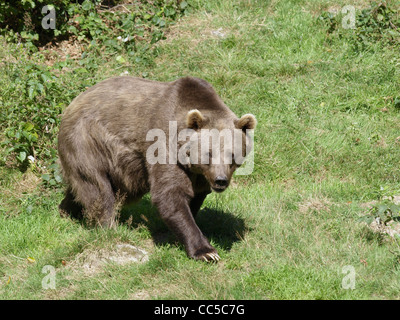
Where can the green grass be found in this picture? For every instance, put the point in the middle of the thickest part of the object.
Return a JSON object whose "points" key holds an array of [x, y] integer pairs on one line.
{"points": [[324, 146]]}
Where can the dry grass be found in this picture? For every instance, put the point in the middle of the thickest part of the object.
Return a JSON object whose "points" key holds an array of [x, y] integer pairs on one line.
{"points": [[314, 204], [28, 184], [193, 32], [16, 189], [62, 50], [14, 270]]}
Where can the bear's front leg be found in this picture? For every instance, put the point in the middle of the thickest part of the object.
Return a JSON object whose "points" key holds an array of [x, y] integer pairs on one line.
{"points": [[173, 203], [196, 202], [175, 211]]}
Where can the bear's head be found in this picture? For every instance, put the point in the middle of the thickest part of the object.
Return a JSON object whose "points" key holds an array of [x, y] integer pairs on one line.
{"points": [[217, 146]]}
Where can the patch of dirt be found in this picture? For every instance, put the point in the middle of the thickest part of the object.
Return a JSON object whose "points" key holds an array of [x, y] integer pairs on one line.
{"points": [[92, 261]]}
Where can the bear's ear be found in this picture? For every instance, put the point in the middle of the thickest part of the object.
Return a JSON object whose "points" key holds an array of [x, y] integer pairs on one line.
{"points": [[247, 121], [194, 119]]}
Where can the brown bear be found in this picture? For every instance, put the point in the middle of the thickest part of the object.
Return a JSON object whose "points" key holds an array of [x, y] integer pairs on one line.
{"points": [[108, 135]]}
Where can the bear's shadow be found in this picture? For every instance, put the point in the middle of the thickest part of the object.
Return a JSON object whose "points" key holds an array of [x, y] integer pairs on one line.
{"points": [[221, 228]]}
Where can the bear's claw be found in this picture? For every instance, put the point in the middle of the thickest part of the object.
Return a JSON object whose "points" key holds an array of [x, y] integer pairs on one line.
{"points": [[213, 256], [205, 253]]}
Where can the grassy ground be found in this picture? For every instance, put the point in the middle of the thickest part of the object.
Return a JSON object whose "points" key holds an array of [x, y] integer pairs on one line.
{"points": [[326, 145]]}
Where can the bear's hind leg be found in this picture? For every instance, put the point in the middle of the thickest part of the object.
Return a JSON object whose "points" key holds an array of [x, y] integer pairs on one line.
{"points": [[69, 207], [98, 199]]}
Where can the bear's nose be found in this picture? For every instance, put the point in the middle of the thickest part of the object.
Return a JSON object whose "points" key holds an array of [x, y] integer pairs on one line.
{"points": [[221, 181]]}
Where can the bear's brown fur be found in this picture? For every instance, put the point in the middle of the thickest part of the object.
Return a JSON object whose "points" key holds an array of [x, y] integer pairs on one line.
{"points": [[102, 148]]}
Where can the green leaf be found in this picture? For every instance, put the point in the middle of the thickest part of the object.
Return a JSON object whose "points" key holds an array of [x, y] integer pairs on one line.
{"points": [[80, 19], [169, 12], [40, 88], [34, 137], [53, 166], [27, 135], [44, 77], [156, 20], [86, 5], [72, 29], [30, 2], [58, 178], [183, 5], [46, 177], [381, 208], [31, 91], [395, 209], [366, 219], [22, 156], [81, 70], [28, 126], [120, 59]]}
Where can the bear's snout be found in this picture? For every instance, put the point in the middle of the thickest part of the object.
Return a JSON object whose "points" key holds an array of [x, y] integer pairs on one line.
{"points": [[220, 183]]}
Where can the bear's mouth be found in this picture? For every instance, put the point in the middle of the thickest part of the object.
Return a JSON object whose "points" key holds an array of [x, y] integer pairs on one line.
{"points": [[218, 188]]}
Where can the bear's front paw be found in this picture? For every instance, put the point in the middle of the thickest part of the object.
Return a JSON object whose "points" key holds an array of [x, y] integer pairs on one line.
{"points": [[206, 254]]}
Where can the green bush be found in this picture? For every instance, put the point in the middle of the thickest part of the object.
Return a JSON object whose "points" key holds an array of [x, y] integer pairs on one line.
{"points": [[23, 19], [34, 93], [88, 19], [33, 98], [378, 24]]}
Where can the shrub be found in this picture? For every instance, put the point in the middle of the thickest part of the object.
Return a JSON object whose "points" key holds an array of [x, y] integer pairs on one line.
{"points": [[88, 19], [34, 94], [377, 24]]}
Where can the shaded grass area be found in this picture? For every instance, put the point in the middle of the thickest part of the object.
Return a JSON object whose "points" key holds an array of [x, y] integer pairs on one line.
{"points": [[326, 144]]}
